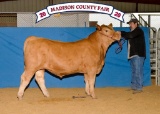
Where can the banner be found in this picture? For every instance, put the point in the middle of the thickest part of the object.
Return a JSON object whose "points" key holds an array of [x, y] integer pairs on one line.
{"points": [[80, 7]]}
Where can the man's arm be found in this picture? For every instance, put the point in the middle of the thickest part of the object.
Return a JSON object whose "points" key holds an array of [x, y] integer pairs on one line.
{"points": [[132, 34]]}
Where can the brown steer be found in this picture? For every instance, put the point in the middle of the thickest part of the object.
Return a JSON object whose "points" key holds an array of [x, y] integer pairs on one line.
{"points": [[63, 58]]}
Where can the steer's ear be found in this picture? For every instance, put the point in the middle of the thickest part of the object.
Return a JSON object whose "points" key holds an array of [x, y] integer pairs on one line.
{"points": [[110, 25], [98, 27]]}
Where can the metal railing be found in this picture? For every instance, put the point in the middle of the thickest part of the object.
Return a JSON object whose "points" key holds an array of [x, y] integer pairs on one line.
{"points": [[158, 57], [141, 21]]}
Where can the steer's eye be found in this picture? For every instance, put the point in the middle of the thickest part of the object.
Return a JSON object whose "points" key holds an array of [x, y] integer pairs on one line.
{"points": [[106, 30]]}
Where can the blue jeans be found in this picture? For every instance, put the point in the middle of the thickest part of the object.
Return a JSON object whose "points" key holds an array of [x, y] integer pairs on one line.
{"points": [[137, 72]]}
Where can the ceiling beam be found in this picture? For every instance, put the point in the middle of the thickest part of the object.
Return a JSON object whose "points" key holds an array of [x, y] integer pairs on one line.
{"points": [[138, 1], [7, 0]]}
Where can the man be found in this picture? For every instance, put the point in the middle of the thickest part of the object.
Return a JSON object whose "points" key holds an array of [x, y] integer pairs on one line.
{"points": [[136, 54]]}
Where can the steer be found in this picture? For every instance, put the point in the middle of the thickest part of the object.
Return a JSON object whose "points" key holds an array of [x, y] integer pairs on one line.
{"points": [[63, 58]]}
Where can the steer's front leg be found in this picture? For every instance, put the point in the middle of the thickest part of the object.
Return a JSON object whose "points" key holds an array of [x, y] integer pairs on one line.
{"points": [[91, 80], [87, 84]]}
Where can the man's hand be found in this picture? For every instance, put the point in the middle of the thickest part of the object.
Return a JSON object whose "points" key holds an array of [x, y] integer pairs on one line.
{"points": [[119, 34]]}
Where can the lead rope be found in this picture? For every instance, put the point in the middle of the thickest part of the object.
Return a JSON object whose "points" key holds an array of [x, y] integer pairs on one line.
{"points": [[120, 43]]}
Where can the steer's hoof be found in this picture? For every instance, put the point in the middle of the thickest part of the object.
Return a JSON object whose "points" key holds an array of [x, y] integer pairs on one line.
{"points": [[94, 98], [47, 95], [88, 94], [19, 97]]}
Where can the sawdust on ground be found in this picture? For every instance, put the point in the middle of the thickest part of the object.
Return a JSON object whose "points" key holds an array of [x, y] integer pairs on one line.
{"points": [[111, 100]]}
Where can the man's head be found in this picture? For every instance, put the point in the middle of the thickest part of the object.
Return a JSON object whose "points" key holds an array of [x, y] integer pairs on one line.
{"points": [[133, 23]]}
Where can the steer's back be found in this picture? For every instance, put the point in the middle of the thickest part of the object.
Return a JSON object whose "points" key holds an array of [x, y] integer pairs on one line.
{"points": [[58, 57]]}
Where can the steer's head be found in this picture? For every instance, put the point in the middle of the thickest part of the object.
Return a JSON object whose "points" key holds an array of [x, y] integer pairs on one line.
{"points": [[108, 31]]}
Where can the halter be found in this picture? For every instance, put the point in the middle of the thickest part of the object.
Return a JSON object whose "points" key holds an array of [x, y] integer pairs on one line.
{"points": [[109, 36], [120, 43]]}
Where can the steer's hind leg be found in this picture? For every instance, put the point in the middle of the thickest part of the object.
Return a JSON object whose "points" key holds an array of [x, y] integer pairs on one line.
{"points": [[41, 82], [25, 80]]}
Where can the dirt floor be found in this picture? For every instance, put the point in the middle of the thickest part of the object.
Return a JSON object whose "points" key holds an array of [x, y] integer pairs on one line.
{"points": [[110, 101]]}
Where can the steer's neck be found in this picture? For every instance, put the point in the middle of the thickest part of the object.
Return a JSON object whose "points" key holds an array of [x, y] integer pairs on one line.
{"points": [[105, 44], [101, 40]]}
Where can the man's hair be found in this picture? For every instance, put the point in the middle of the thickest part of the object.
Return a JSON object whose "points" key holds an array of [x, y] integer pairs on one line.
{"points": [[137, 24]]}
